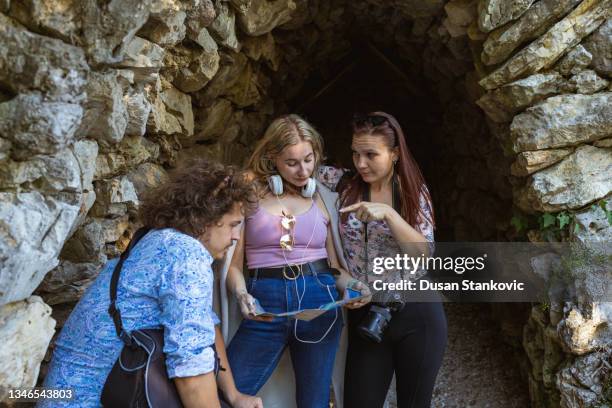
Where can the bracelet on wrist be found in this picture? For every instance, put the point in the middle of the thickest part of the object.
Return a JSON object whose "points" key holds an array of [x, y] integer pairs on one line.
{"points": [[352, 283]]}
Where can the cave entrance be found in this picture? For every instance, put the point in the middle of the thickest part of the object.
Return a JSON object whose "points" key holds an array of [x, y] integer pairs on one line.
{"points": [[481, 365], [364, 81]]}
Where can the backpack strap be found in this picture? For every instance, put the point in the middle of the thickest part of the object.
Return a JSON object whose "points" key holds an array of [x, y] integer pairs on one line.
{"points": [[112, 309]]}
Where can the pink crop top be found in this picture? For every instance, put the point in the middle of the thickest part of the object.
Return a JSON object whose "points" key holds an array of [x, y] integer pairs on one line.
{"points": [[262, 238]]}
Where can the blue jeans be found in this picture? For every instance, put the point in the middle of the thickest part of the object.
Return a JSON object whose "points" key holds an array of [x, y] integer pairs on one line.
{"points": [[257, 347]]}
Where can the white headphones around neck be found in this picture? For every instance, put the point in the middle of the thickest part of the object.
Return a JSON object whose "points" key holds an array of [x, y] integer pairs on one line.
{"points": [[276, 186]]}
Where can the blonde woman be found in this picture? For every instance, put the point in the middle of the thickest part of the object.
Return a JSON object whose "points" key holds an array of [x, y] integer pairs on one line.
{"points": [[291, 248]]}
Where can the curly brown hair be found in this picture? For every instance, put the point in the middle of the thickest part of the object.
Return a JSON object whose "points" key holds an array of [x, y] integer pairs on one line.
{"points": [[195, 197]]}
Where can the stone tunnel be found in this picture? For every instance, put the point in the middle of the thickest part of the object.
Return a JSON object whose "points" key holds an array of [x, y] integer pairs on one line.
{"points": [[506, 105]]}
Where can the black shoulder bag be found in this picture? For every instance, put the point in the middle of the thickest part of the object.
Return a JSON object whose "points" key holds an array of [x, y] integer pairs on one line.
{"points": [[139, 377]]}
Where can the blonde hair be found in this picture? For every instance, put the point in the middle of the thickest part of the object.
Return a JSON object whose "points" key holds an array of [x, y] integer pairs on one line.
{"points": [[287, 130]]}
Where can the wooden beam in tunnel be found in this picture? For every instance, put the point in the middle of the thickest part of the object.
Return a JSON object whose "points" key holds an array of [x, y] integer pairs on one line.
{"points": [[327, 86], [407, 81]]}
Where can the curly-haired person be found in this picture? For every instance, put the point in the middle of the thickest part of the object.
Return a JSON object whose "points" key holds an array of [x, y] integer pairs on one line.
{"points": [[166, 282]]}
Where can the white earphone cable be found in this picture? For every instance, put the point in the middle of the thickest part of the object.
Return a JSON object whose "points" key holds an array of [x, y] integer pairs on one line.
{"points": [[301, 274]]}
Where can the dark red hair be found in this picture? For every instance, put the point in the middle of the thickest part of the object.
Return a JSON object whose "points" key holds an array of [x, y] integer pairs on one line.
{"points": [[411, 180]]}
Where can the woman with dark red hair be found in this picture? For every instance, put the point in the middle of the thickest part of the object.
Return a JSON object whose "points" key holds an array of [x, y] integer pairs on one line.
{"points": [[386, 210]]}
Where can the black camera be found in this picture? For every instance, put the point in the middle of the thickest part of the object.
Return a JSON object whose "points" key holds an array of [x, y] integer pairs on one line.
{"points": [[374, 323]]}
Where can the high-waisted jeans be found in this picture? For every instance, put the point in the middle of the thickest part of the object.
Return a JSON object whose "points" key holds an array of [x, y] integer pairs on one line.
{"points": [[257, 347]]}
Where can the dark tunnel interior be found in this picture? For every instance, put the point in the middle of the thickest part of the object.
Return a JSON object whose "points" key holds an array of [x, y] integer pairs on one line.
{"points": [[366, 80]]}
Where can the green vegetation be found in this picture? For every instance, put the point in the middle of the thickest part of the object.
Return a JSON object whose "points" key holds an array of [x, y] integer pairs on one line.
{"points": [[554, 227]]}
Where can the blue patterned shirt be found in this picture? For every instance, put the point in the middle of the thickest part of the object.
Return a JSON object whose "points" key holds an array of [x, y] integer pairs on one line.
{"points": [[167, 281]]}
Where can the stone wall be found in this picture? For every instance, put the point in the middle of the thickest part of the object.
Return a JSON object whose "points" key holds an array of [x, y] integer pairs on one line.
{"points": [[547, 81], [99, 99]]}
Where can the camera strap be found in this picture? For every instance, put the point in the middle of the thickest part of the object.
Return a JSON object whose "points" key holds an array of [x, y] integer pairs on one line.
{"points": [[396, 203]]}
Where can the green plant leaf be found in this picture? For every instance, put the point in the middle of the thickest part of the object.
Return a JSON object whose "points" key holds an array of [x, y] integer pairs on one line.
{"points": [[576, 228], [609, 214], [548, 220], [564, 219], [602, 204], [516, 222], [519, 222]]}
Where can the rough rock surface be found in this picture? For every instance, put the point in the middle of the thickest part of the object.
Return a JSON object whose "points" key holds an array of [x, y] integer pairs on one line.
{"points": [[193, 67], [54, 173], [503, 103], [36, 126], [34, 229], [68, 282], [108, 27], [138, 109], [200, 14], [144, 58], [600, 45], [585, 329], [146, 177], [577, 59], [495, 13], [214, 119], [106, 115], [583, 382], [501, 42], [49, 65], [166, 24], [543, 52], [237, 80], [593, 225], [565, 120], [223, 28], [417, 9], [530, 162], [171, 112], [26, 328], [59, 19], [113, 196], [262, 48], [588, 82], [263, 16], [579, 179]]}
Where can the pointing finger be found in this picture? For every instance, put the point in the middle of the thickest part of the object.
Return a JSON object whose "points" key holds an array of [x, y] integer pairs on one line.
{"points": [[351, 207]]}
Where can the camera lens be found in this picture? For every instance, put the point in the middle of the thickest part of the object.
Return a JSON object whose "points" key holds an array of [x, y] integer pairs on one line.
{"points": [[375, 323]]}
